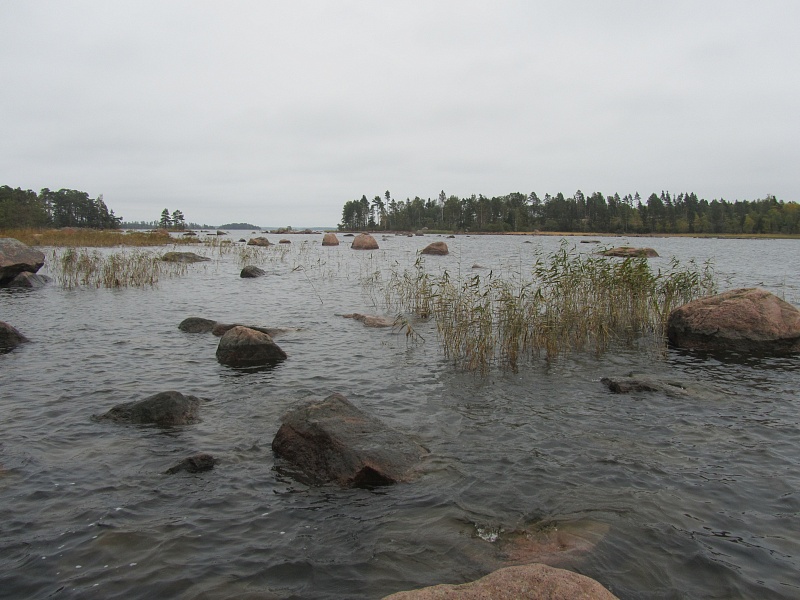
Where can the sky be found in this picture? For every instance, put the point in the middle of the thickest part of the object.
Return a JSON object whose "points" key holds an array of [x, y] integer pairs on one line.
{"points": [[277, 113]]}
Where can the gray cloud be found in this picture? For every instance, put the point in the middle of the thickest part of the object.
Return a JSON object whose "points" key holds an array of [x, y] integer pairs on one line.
{"points": [[277, 113]]}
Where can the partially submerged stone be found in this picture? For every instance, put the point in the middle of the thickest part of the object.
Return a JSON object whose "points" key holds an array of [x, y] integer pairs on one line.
{"points": [[746, 320], [251, 271], [220, 329], [676, 388], [333, 441], [28, 280], [330, 239], [364, 241], [629, 252], [165, 409], [196, 325], [245, 347], [194, 464], [15, 258], [259, 241], [10, 338], [526, 582], [183, 257], [436, 248], [371, 320]]}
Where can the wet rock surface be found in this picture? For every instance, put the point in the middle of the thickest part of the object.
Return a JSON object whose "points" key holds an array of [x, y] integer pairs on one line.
{"points": [[165, 409]]}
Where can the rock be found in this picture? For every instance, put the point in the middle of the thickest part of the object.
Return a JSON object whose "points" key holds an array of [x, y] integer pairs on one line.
{"points": [[196, 325], [259, 241], [590, 241], [364, 241], [242, 240], [370, 320], [183, 257], [629, 252], [245, 347], [16, 257], [526, 582], [284, 241], [477, 266], [251, 271], [194, 464], [219, 232], [165, 409], [333, 441], [348, 235], [189, 234], [435, 248], [451, 237], [330, 239], [220, 329], [633, 383], [748, 320], [29, 280], [10, 338], [557, 544]]}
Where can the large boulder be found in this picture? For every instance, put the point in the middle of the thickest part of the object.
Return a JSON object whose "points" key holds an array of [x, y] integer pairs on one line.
{"points": [[330, 239], [251, 272], [526, 582], [245, 347], [747, 320], [436, 249], [10, 338], [364, 241], [183, 257], [333, 441], [259, 241], [629, 252], [196, 325], [16, 257], [165, 409]]}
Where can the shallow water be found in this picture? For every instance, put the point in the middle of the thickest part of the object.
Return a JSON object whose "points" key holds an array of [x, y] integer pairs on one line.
{"points": [[679, 498]]}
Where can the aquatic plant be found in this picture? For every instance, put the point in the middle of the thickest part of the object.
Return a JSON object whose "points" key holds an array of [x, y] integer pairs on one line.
{"points": [[76, 267], [568, 302]]}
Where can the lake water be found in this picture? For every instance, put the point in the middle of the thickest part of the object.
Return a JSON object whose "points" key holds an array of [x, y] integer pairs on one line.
{"points": [[675, 498]]}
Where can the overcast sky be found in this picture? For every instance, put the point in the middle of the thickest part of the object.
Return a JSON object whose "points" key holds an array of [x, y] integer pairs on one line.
{"points": [[277, 113]]}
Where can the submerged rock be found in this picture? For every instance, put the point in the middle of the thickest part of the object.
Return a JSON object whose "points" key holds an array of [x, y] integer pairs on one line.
{"points": [[245, 347], [628, 252], [631, 384], [251, 271], [196, 325], [436, 248], [527, 582], [194, 464], [15, 258], [370, 320], [221, 329], [10, 338], [183, 257], [29, 280], [165, 409], [364, 241], [333, 441], [330, 239], [747, 320], [259, 241]]}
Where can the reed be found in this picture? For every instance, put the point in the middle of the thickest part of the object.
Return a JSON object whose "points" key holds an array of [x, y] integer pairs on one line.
{"points": [[568, 302], [81, 267], [73, 237]]}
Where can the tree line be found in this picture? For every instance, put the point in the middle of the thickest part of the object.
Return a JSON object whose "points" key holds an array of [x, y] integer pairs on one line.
{"points": [[598, 213], [63, 208]]}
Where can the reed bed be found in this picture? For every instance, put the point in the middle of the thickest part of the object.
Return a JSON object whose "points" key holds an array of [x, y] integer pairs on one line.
{"points": [[73, 237], [568, 302], [81, 267]]}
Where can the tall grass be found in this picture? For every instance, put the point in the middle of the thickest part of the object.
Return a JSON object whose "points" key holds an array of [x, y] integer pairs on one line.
{"points": [[72, 237], [568, 301], [81, 267]]}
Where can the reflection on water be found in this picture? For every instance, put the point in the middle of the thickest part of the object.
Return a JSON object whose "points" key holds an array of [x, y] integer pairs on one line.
{"points": [[659, 496]]}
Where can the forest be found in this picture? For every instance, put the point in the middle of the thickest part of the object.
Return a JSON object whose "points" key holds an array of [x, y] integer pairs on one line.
{"points": [[659, 213], [64, 208]]}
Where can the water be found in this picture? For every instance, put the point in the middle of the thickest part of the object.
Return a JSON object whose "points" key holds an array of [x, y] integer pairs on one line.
{"points": [[674, 498]]}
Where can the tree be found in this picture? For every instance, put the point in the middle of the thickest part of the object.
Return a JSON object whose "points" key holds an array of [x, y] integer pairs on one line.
{"points": [[165, 221], [178, 220]]}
